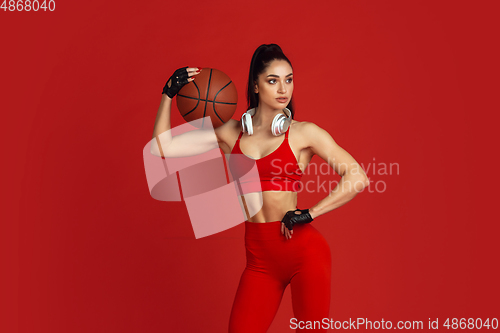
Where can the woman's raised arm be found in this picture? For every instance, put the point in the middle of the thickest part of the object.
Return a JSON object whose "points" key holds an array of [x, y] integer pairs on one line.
{"points": [[186, 144]]}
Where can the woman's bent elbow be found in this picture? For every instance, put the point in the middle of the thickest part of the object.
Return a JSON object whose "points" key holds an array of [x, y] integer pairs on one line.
{"points": [[154, 151]]}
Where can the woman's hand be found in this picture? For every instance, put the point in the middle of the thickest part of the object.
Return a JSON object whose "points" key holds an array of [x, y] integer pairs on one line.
{"points": [[293, 217], [180, 77]]}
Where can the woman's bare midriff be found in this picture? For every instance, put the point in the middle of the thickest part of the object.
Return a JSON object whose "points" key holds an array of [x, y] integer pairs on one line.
{"points": [[275, 204]]}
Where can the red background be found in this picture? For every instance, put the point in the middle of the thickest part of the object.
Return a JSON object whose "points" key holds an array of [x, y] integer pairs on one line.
{"points": [[86, 249]]}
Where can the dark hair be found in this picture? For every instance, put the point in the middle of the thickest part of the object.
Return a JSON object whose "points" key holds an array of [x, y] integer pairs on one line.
{"points": [[261, 59]]}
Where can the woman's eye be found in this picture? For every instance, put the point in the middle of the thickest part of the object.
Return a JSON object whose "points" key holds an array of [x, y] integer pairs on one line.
{"points": [[273, 81]]}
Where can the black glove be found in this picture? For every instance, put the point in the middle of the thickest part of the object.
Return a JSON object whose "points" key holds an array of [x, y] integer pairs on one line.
{"points": [[177, 81], [292, 217]]}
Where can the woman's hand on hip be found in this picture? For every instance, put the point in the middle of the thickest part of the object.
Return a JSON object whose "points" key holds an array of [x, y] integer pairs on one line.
{"points": [[293, 217]]}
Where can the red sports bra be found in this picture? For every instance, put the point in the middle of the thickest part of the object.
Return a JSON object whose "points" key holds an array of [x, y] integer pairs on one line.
{"points": [[278, 171]]}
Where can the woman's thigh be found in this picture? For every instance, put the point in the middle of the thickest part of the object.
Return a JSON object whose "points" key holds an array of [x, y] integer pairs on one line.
{"points": [[311, 284], [256, 302]]}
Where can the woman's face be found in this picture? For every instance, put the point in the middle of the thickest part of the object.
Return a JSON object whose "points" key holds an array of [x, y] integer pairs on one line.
{"points": [[275, 85]]}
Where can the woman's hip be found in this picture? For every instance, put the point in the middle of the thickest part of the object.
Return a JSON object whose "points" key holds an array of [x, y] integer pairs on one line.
{"points": [[264, 242]]}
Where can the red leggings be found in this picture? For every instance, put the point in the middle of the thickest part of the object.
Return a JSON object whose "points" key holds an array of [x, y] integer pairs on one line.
{"points": [[273, 262]]}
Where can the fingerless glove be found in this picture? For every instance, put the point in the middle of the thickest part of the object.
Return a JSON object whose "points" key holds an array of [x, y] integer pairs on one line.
{"points": [[291, 218], [177, 81]]}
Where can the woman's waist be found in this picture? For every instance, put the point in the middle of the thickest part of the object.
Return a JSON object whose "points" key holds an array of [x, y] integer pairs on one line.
{"points": [[271, 214], [268, 206], [272, 230]]}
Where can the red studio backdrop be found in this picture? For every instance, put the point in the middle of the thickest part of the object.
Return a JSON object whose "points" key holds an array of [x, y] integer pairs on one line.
{"points": [[408, 88]]}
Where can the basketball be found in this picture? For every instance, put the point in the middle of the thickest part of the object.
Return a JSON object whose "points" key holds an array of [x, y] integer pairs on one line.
{"points": [[212, 93]]}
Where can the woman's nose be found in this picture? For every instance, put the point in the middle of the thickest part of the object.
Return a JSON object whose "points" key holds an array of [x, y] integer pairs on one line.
{"points": [[281, 87]]}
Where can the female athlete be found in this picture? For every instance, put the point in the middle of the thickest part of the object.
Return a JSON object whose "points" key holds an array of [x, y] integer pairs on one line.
{"points": [[282, 246]]}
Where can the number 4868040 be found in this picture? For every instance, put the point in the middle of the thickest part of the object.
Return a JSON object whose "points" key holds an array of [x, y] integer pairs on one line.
{"points": [[28, 5]]}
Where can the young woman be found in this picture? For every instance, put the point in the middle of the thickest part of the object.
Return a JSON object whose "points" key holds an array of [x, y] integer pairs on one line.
{"points": [[282, 247]]}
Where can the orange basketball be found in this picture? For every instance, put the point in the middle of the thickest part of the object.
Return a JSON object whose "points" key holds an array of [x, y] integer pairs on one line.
{"points": [[212, 93]]}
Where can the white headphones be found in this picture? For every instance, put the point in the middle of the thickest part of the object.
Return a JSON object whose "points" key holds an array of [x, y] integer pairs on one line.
{"points": [[279, 126]]}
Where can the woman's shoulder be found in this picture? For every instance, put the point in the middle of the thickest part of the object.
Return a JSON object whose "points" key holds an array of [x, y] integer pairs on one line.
{"points": [[309, 134], [304, 127], [226, 132], [231, 126]]}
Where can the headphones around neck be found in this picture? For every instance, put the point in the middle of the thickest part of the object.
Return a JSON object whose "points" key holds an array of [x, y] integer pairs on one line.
{"points": [[278, 127]]}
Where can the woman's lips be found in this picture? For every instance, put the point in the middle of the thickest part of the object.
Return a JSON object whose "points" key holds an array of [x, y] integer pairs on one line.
{"points": [[282, 99]]}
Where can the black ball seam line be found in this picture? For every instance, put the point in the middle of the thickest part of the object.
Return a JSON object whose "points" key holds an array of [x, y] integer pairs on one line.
{"points": [[215, 111], [208, 90], [197, 103], [204, 100]]}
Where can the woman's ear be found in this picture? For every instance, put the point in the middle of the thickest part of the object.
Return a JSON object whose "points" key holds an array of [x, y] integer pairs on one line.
{"points": [[255, 87]]}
